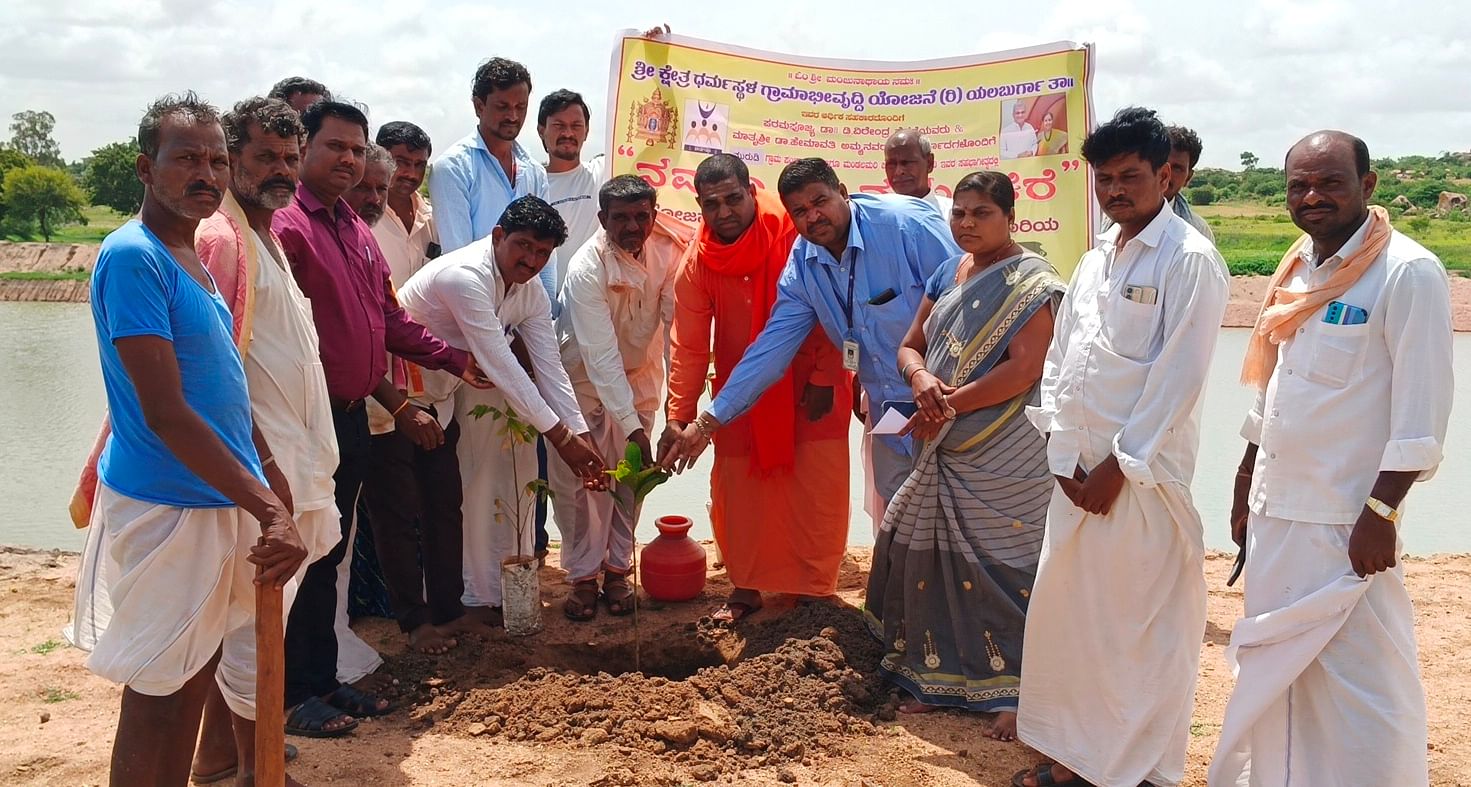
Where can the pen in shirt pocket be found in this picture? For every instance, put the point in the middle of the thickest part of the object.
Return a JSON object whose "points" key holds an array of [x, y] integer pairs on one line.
{"points": [[883, 297]]}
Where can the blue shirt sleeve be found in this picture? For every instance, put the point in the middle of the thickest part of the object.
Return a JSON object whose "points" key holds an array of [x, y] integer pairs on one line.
{"points": [[133, 293], [449, 193], [767, 359], [929, 244], [940, 280]]}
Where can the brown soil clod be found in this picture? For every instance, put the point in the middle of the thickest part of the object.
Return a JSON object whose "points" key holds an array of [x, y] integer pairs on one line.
{"points": [[786, 690]]}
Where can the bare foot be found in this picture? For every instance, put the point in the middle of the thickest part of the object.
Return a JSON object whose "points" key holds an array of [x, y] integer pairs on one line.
{"points": [[431, 641], [1003, 727], [914, 706], [378, 682], [486, 616], [465, 624], [1060, 776]]}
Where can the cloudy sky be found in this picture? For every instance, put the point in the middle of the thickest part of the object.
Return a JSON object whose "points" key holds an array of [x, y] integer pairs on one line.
{"points": [[1248, 75]]}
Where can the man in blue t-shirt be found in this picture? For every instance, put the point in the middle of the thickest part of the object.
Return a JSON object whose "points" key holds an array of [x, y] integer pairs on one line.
{"points": [[185, 511]]}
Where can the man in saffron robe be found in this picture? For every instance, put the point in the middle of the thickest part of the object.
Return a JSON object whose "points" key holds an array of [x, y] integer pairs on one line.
{"points": [[780, 502]]}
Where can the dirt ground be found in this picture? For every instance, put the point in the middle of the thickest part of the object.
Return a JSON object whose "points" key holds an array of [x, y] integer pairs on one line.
{"points": [[1247, 293], [790, 697]]}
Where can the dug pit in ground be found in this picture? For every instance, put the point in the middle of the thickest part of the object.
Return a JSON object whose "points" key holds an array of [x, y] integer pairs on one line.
{"points": [[785, 690]]}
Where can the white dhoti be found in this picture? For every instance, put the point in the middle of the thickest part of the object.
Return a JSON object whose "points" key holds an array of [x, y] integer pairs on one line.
{"points": [[492, 469], [1113, 637], [356, 659], [597, 527], [161, 590], [1327, 679]]}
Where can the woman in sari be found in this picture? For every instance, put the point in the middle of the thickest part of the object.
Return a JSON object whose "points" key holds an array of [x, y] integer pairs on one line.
{"points": [[1050, 141], [956, 556]]}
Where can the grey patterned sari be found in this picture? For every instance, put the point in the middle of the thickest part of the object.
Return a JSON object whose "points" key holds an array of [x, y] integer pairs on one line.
{"points": [[958, 550]]}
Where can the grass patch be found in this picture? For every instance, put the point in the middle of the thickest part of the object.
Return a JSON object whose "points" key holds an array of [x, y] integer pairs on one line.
{"points": [[46, 647], [100, 221], [1252, 238], [52, 695], [66, 275]]}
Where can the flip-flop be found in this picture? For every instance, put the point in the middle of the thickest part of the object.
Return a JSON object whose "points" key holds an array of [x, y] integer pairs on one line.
{"points": [[309, 719], [733, 612], [223, 774], [582, 603], [355, 702]]}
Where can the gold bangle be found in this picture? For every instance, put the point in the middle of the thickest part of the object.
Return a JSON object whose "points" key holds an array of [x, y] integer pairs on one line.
{"points": [[400, 408], [565, 438], [267, 462]]}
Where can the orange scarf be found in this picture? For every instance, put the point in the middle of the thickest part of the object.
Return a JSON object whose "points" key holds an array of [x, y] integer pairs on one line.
{"points": [[1284, 311], [761, 253]]}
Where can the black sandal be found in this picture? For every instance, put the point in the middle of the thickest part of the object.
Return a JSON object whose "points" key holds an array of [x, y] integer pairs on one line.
{"points": [[310, 720], [358, 703]]}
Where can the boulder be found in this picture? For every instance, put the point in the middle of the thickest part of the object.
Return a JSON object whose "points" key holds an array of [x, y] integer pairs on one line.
{"points": [[1450, 201]]}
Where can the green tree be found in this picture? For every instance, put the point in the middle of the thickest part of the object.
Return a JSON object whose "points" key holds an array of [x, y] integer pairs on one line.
{"points": [[112, 177], [46, 196], [1202, 195], [30, 133], [10, 158], [1249, 161]]}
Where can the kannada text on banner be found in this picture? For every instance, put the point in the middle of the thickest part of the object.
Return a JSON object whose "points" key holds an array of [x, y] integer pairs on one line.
{"points": [[676, 100]]}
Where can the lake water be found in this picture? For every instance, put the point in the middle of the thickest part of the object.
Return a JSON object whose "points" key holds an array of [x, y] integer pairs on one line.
{"points": [[51, 398]]}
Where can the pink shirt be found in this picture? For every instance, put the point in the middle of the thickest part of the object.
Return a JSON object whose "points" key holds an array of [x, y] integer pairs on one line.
{"points": [[341, 270]]}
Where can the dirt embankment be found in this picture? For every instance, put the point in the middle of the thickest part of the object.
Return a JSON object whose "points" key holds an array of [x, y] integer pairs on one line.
{"points": [[791, 697], [46, 258], [1247, 293]]}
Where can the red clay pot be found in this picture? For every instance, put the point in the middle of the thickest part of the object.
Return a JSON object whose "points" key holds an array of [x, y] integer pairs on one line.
{"points": [[672, 568]]}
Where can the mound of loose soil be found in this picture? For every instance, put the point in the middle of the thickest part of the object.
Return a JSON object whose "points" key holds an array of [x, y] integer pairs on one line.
{"points": [[794, 689]]}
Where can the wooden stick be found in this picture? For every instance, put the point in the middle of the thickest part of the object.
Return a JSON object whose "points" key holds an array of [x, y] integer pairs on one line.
{"points": [[270, 688]]}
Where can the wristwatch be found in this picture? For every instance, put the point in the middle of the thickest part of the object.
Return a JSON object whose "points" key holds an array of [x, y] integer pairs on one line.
{"points": [[1384, 510]]}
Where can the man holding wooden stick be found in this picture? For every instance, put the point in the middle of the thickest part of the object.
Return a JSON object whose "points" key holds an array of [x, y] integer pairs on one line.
{"points": [[186, 521]]}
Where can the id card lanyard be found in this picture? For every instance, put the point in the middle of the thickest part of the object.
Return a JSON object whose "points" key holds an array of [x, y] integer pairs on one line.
{"points": [[850, 344]]}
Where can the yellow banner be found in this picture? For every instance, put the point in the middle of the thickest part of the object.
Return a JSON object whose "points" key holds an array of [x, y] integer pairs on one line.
{"points": [[675, 100]]}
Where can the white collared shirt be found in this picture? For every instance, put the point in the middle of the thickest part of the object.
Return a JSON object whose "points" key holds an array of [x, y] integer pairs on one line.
{"points": [[1017, 140], [614, 326], [405, 248], [1347, 401], [1127, 376], [460, 298]]}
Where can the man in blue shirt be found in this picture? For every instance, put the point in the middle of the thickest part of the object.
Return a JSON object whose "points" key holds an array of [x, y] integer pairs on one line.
{"points": [[858, 270], [472, 182], [187, 484]]}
